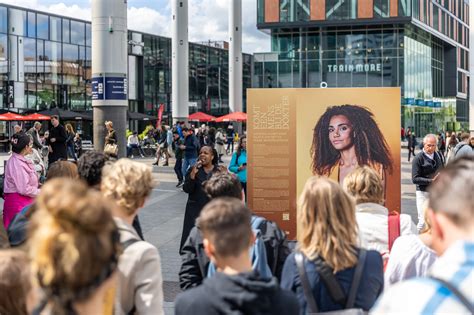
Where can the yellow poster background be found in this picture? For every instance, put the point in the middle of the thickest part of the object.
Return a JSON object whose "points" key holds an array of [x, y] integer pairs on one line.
{"points": [[384, 103]]}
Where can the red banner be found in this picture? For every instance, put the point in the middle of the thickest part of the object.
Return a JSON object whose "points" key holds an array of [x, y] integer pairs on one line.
{"points": [[161, 109]]}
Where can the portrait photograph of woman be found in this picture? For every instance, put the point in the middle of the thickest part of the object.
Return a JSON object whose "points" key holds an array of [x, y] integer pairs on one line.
{"points": [[345, 137], [338, 130]]}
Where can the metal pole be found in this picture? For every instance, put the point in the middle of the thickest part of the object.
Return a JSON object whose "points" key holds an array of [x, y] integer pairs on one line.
{"points": [[471, 70], [235, 56], [179, 61], [109, 70]]}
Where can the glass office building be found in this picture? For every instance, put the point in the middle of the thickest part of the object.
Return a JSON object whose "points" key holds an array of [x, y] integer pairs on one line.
{"points": [[45, 62], [419, 45]]}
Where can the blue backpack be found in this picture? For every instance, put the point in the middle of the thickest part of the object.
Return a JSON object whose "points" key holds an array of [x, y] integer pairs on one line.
{"points": [[257, 252]]}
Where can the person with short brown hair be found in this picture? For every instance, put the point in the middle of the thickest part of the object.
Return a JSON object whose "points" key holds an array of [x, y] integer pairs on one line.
{"points": [[56, 141], [228, 236], [15, 283]]}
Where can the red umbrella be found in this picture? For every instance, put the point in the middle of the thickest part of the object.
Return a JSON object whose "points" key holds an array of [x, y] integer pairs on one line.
{"points": [[36, 116], [11, 117], [237, 116], [201, 117]]}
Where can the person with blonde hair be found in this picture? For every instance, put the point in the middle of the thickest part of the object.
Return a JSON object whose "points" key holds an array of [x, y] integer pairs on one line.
{"points": [[70, 135], [74, 248], [15, 283], [328, 253], [129, 184], [374, 220]]}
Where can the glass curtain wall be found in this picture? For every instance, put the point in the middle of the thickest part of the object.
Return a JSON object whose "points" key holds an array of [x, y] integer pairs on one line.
{"points": [[357, 57]]}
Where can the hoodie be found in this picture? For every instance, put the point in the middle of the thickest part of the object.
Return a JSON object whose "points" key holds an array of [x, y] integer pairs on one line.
{"points": [[244, 293]]}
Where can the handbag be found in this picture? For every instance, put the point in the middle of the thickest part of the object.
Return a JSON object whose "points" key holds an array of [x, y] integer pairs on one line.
{"points": [[111, 149], [330, 282]]}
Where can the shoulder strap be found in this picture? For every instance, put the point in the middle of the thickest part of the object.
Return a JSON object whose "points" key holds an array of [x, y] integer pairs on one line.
{"points": [[127, 244], [308, 294], [327, 275], [393, 228], [356, 280], [462, 298]]}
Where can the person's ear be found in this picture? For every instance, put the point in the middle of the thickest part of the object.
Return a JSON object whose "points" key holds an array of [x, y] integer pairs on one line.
{"points": [[209, 250]]}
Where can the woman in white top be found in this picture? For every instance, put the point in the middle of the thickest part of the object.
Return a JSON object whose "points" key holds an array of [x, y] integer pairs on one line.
{"points": [[365, 185], [411, 256]]}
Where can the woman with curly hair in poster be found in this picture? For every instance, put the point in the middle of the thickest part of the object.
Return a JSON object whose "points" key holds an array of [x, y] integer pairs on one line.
{"points": [[347, 136]]}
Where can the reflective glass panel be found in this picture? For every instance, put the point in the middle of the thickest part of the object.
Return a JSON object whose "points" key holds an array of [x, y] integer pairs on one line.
{"points": [[55, 29], [42, 24], [77, 33]]}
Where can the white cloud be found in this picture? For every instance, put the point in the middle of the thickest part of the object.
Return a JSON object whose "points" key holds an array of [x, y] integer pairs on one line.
{"points": [[208, 20]]}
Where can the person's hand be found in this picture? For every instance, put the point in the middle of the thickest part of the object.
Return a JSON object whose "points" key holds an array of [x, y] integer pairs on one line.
{"points": [[50, 149], [242, 167], [52, 140], [182, 147], [195, 170]]}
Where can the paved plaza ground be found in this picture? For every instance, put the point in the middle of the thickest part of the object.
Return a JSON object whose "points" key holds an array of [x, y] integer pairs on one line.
{"points": [[162, 219]]}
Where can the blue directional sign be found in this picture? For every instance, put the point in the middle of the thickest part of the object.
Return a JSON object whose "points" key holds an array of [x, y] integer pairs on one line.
{"points": [[429, 103], [420, 102], [97, 88], [115, 88]]}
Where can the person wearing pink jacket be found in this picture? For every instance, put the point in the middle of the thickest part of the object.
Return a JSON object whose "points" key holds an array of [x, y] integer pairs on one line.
{"points": [[21, 181]]}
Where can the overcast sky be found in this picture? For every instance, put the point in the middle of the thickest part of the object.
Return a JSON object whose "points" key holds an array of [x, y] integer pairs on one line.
{"points": [[207, 18]]}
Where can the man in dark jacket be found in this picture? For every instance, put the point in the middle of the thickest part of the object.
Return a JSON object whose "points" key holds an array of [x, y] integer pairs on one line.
{"points": [[236, 289], [56, 141], [190, 148], [425, 169], [195, 263]]}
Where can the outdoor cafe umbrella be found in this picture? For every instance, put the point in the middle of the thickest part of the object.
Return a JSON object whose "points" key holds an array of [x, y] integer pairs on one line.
{"points": [[236, 116], [11, 117], [36, 116], [201, 117]]}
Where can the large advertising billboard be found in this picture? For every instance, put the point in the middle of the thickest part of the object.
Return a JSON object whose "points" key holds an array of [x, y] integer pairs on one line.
{"points": [[297, 133]]}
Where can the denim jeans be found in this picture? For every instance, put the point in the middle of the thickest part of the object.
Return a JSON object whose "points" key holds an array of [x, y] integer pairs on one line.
{"points": [[421, 198], [131, 147], [71, 152], [187, 163]]}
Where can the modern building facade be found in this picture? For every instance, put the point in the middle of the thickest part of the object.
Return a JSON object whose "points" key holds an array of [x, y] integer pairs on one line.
{"points": [[45, 62], [420, 45]]}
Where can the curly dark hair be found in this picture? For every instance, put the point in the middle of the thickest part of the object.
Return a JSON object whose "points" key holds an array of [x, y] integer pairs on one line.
{"points": [[369, 142], [89, 167]]}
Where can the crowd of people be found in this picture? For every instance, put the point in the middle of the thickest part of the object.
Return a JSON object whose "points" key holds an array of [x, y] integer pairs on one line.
{"points": [[78, 247]]}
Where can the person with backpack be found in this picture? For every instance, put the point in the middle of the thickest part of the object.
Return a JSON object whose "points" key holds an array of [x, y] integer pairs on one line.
{"points": [[464, 148], [378, 226], [195, 263], [238, 163], [425, 169], [448, 287], [236, 288], [140, 291], [329, 272]]}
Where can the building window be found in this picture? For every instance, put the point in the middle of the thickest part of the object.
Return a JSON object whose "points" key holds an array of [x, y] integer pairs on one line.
{"points": [[341, 9], [55, 29], [3, 20], [31, 24], [66, 31], [42, 26], [381, 8], [404, 7], [77, 33], [17, 22]]}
